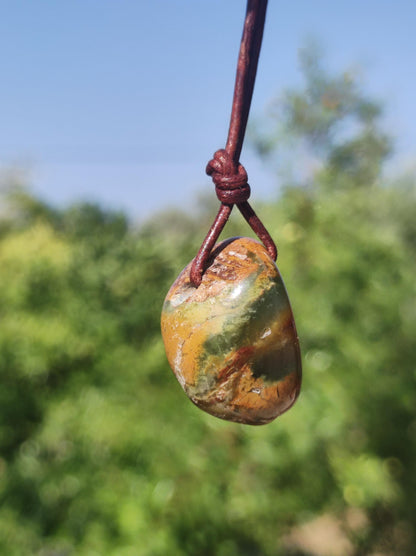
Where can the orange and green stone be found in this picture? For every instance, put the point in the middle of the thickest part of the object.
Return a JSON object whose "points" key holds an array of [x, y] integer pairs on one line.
{"points": [[232, 341]]}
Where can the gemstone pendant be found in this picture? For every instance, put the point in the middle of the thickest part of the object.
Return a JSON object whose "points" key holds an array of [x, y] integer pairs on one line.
{"points": [[232, 341]]}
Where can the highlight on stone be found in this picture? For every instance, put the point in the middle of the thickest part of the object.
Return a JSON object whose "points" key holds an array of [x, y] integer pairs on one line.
{"points": [[232, 341]]}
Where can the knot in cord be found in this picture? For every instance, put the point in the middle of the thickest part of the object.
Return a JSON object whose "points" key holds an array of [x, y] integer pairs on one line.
{"points": [[230, 179]]}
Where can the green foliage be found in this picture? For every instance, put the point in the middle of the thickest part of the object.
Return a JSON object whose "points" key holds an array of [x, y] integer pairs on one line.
{"points": [[330, 118], [101, 453]]}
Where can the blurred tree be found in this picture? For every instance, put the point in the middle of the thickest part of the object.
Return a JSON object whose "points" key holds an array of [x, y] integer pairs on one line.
{"points": [[333, 120], [100, 450]]}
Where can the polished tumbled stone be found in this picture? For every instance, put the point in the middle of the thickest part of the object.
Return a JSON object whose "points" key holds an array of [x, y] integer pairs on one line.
{"points": [[232, 341]]}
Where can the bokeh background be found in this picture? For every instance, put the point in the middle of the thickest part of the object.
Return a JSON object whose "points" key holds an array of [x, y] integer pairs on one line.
{"points": [[109, 114]]}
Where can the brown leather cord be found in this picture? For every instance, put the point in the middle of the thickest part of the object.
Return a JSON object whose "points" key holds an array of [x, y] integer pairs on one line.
{"points": [[228, 175]]}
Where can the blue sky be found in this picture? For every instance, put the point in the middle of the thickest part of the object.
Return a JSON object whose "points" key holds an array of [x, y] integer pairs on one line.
{"points": [[125, 102]]}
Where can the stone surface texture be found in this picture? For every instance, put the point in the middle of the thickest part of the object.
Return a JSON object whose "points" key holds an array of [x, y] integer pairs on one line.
{"points": [[232, 341]]}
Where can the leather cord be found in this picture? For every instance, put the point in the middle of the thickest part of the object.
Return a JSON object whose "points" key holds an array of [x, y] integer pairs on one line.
{"points": [[228, 175]]}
